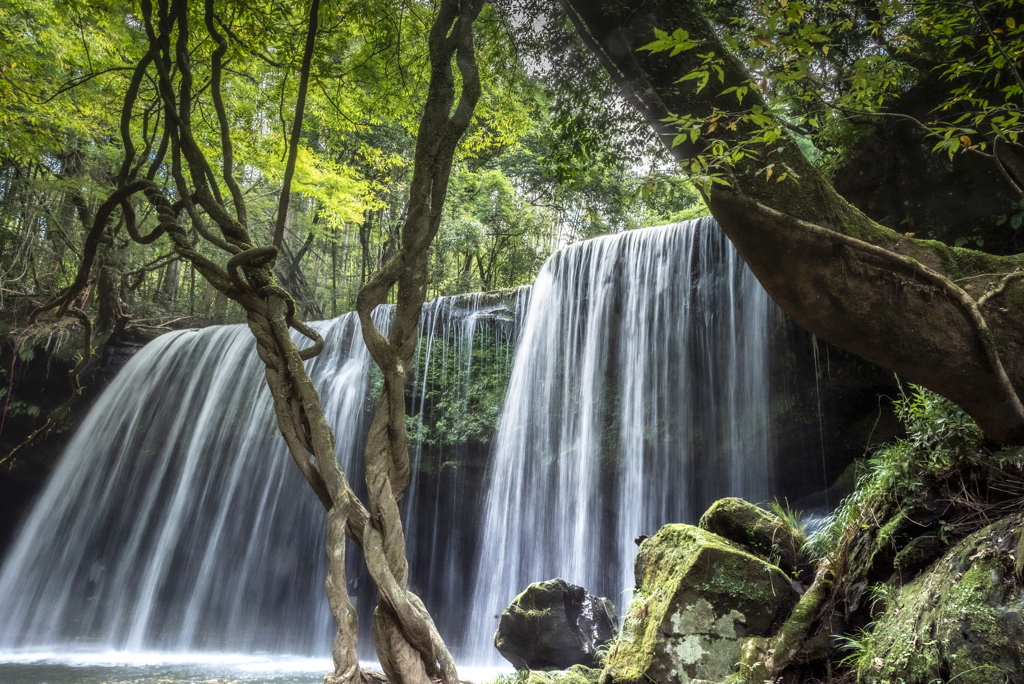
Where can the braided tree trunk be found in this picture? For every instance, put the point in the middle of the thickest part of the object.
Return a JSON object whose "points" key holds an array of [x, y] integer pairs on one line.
{"points": [[411, 650], [408, 644]]}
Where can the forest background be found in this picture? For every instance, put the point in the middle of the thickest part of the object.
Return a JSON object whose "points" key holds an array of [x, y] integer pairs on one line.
{"points": [[552, 157], [809, 98]]}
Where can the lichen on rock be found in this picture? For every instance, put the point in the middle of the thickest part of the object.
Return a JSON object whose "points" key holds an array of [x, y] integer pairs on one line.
{"points": [[698, 598]]}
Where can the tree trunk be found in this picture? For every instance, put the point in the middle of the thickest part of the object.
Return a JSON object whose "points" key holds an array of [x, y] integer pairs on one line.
{"points": [[220, 307], [112, 314], [409, 647], [168, 290], [891, 299]]}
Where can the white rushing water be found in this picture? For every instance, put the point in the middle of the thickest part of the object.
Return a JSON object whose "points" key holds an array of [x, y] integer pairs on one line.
{"points": [[639, 395], [176, 522]]}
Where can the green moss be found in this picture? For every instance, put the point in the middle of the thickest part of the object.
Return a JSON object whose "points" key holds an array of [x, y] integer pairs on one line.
{"points": [[918, 553], [795, 628], [577, 674], [762, 532], [957, 262], [888, 532], [959, 621], [695, 590]]}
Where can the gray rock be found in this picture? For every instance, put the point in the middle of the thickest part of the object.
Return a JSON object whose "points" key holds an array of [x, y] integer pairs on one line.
{"points": [[961, 620], [698, 598], [555, 624]]}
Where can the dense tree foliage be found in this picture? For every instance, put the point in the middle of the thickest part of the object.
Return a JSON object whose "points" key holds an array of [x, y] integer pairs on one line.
{"points": [[525, 180]]}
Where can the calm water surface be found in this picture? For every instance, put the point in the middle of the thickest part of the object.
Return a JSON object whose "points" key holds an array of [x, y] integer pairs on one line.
{"points": [[173, 668]]}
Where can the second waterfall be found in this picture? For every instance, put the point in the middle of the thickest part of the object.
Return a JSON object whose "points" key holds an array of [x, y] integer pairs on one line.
{"points": [[639, 395]]}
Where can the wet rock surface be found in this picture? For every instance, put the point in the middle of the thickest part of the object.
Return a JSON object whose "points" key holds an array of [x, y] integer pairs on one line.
{"points": [[698, 598], [555, 624]]}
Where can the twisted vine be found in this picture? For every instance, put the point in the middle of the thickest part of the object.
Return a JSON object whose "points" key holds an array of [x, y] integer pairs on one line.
{"points": [[409, 646]]}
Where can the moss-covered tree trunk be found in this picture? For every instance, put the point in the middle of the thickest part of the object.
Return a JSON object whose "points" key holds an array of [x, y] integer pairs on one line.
{"points": [[949, 319]]}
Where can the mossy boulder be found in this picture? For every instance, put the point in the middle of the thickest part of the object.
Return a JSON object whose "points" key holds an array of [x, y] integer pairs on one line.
{"points": [[961, 620], [758, 531], [577, 674], [555, 624], [698, 598]]}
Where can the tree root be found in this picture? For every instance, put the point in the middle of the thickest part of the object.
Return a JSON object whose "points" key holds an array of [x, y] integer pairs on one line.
{"points": [[958, 294], [764, 659]]}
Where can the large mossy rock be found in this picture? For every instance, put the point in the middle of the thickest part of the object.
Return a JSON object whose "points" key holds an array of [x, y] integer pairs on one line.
{"points": [[961, 620], [555, 624], [759, 531], [698, 598]]}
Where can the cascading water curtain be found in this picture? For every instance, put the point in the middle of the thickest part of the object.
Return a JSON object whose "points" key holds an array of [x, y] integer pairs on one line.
{"points": [[639, 395], [176, 520], [463, 361]]}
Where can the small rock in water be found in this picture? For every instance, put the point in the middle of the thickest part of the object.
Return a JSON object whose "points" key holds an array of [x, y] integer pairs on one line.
{"points": [[555, 624]]}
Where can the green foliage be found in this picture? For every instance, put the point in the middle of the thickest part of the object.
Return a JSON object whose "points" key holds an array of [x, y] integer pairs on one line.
{"points": [[1015, 219], [794, 519], [492, 224], [857, 647], [883, 596], [937, 429], [818, 66], [517, 677], [541, 165], [940, 437], [464, 394], [17, 407]]}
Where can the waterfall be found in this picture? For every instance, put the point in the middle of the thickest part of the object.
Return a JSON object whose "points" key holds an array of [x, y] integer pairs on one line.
{"points": [[464, 359], [636, 375], [176, 520], [639, 396]]}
